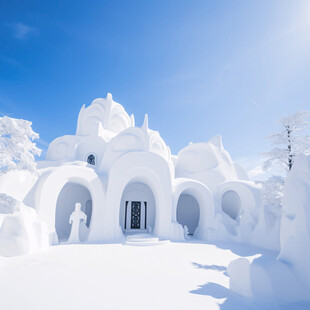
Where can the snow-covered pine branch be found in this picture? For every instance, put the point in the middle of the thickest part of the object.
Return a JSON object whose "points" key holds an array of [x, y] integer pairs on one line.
{"points": [[288, 142], [17, 149]]}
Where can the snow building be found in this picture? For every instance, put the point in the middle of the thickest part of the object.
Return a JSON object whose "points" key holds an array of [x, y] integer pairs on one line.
{"points": [[127, 182]]}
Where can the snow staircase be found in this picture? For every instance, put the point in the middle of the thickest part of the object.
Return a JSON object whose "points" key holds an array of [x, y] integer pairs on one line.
{"points": [[144, 240]]}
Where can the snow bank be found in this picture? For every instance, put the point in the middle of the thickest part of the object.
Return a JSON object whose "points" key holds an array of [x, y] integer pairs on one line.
{"points": [[266, 280], [286, 278], [20, 230], [295, 222], [176, 232]]}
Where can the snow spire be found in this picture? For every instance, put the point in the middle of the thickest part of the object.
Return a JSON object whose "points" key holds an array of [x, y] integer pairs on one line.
{"points": [[132, 120], [145, 125], [109, 97], [169, 152]]}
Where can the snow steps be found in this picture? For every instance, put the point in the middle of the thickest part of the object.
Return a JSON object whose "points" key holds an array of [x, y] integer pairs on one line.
{"points": [[144, 240]]}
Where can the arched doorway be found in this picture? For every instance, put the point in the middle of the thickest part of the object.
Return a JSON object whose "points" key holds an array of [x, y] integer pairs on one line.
{"points": [[137, 209], [70, 194], [231, 204], [193, 206], [188, 212]]}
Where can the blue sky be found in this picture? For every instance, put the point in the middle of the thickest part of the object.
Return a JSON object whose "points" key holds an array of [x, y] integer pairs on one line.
{"points": [[198, 68]]}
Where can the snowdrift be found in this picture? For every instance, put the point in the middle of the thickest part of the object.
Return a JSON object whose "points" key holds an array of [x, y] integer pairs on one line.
{"points": [[286, 278], [20, 230]]}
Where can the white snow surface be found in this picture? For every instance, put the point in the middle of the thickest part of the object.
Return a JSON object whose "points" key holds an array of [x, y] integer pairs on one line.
{"points": [[187, 275], [286, 278], [295, 221], [21, 232]]}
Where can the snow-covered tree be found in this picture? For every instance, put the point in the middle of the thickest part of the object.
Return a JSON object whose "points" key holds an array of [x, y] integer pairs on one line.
{"points": [[17, 149], [8, 204], [289, 142], [272, 192]]}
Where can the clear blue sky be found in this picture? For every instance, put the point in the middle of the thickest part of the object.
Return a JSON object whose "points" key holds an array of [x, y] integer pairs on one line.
{"points": [[198, 68]]}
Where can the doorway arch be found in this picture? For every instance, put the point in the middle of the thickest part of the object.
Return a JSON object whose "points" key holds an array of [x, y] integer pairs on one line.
{"points": [[137, 197], [231, 204], [49, 188], [140, 167], [188, 212], [70, 194], [193, 206]]}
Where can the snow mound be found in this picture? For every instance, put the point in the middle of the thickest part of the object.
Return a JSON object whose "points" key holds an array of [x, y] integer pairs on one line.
{"points": [[286, 278], [295, 222], [266, 280], [21, 232]]}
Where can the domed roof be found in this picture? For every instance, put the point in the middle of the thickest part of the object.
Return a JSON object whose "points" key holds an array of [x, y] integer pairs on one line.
{"points": [[102, 114]]}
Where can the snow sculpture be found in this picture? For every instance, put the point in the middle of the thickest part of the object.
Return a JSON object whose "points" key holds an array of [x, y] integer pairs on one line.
{"points": [[135, 184], [238, 207], [76, 218]]}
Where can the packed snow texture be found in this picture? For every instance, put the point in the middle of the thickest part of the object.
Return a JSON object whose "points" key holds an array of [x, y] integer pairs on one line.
{"points": [[286, 278], [114, 276], [295, 222], [20, 230], [17, 184]]}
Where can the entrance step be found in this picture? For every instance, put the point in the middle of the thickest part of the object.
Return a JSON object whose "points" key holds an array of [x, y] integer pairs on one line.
{"points": [[144, 240]]}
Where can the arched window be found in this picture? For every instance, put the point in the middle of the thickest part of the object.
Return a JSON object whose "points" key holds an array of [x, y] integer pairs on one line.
{"points": [[91, 159]]}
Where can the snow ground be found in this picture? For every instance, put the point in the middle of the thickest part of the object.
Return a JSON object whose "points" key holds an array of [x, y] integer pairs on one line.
{"points": [[114, 276]]}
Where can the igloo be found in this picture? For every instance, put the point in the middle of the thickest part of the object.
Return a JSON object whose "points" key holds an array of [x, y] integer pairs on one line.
{"points": [[128, 182]]}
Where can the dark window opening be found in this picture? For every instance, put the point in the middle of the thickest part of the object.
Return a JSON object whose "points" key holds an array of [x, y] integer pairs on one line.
{"points": [[91, 159]]}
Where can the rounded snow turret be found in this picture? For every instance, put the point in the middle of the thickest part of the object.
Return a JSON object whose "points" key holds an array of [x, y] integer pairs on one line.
{"points": [[104, 114], [206, 162]]}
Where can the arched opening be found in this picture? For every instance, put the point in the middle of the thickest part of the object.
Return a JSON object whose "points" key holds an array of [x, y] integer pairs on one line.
{"points": [[137, 209], [231, 204], [188, 212], [70, 194], [91, 159]]}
